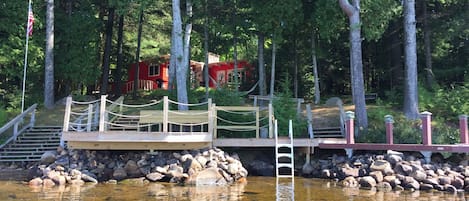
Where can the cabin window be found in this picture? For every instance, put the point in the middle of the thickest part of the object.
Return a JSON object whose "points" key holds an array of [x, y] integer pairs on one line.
{"points": [[241, 76], [154, 70]]}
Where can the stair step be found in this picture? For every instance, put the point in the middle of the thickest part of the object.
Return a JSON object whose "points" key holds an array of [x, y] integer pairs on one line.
{"points": [[284, 145], [285, 176], [25, 152], [38, 137], [281, 155], [21, 141], [284, 165], [31, 149], [39, 145], [19, 159]]}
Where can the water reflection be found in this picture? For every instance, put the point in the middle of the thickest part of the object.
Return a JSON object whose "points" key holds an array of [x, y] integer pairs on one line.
{"points": [[257, 188]]}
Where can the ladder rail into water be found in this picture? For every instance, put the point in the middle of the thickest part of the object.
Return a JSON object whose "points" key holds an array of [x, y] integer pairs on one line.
{"points": [[283, 188]]}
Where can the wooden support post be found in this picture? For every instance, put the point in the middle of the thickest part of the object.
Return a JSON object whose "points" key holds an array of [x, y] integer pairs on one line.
{"points": [[389, 121], [165, 114], [257, 122], [463, 130], [271, 121], [102, 113], [309, 115], [215, 129], [349, 121], [426, 127], [68, 109], [90, 117]]}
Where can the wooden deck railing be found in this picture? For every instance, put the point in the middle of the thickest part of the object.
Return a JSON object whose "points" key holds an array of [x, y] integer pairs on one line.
{"points": [[159, 116], [18, 124]]}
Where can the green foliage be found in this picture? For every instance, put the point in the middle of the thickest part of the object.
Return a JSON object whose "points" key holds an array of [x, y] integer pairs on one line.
{"points": [[226, 97], [285, 110], [3, 115], [445, 103], [405, 131]]}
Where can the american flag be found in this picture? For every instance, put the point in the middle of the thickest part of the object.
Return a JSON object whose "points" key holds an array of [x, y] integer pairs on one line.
{"points": [[30, 21]]}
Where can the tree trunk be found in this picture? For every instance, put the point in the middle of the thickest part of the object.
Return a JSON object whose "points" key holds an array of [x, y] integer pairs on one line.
{"points": [[295, 65], [107, 52], [235, 49], [137, 54], [118, 77], [317, 95], [181, 65], [427, 43], [49, 57], [206, 76], [272, 72], [261, 63], [410, 50], [356, 65]]}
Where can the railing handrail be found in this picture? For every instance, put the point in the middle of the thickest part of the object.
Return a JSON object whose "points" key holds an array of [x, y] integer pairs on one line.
{"points": [[15, 121]]}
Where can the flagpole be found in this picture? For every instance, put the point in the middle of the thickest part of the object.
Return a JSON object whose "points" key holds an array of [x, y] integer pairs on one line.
{"points": [[25, 56]]}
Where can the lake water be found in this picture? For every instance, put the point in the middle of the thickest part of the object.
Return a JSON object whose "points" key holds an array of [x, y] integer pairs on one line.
{"points": [[257, 188]]}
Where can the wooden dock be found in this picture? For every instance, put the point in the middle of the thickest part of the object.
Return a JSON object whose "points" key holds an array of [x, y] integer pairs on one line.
{"points": [[113, 125]]}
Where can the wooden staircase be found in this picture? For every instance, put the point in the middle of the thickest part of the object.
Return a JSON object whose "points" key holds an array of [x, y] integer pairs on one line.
{"points": [[125, 124], [328, 132], [31, 144]]}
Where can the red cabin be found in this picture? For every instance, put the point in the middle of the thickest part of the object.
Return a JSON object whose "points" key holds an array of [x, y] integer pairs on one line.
{"points": [[153, 74]]}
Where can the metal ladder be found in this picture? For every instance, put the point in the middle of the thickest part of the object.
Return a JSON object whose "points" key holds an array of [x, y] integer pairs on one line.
{"points": [[285, 190]]}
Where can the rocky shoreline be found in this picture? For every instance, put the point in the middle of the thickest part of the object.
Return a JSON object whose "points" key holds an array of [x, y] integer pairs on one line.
{"points": [[195, 167], [394, 171]]}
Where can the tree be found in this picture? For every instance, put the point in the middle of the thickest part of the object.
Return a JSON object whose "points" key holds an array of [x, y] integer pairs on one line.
{"points": [[180, 64], [410, 50], [352, 10], [49, 60], [107, 51]]}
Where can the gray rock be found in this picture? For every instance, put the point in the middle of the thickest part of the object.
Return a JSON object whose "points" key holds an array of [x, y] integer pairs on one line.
{"points": [[48, 157], [384, 186], [154, 176], [132, 169], [394, 159], [48, 182], [410, 183], [458, 183], [418, 175], [380, 165], [431, 181], [377, 175], [450, 188], [444, 180], [35, 182], [119, 174], [426, 187], [88, 178], [439, 187], [350, 182], [209, 176], [367, 182]]}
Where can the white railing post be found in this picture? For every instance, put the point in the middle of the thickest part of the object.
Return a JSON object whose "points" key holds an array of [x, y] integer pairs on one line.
{"points": [[165, 113], [15, 129], [33, 118], [90, 117], [309, 115], [102, 111], [257, 122], [215, 119], [68, 109], [271, 119]]}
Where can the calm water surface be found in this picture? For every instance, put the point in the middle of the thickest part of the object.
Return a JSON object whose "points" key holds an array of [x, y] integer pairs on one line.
{"points": [[257, 188]]}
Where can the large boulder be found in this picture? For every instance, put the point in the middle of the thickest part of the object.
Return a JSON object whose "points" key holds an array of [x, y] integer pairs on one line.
{"points": [[48, 157], [209, 176]]}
